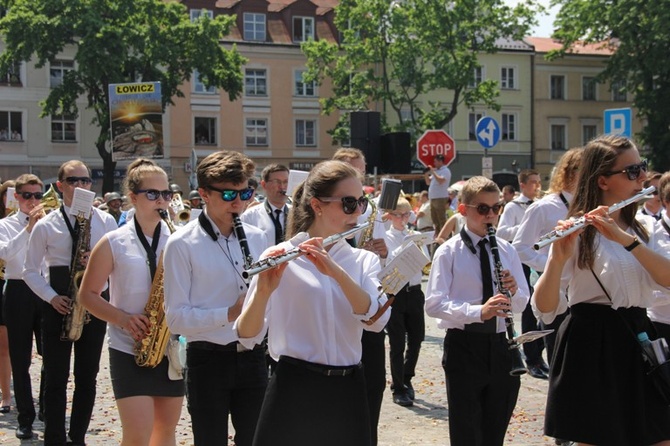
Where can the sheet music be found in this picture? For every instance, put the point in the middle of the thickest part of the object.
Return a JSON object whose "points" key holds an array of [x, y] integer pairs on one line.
{"points": [[295, 177], [532, 335], [419, 238], [409, 262], [10, 199], [82, 201]]}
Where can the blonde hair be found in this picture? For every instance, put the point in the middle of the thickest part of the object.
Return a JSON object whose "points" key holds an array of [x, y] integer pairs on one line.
{"points": [[476, 185], [566, 171], [137, 171]]}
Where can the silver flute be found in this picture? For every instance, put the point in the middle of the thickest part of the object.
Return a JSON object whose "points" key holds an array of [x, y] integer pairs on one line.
{"points": [[272, 261], [580, 222]]}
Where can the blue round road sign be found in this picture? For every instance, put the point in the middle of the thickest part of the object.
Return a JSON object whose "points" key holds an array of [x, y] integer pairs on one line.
{"points": [[488, 132]]}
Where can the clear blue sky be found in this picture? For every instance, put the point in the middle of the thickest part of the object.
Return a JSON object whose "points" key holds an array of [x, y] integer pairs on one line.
{"points": [[545, 22]]}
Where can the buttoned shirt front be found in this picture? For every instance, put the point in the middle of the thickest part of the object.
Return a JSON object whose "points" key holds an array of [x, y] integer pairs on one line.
{"points": [[14, 244], [511, 217], [258, 216]]}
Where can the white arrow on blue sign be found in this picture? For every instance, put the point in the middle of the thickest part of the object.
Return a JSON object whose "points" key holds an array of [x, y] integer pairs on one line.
{"points": [[488, 132], [618, 121]]}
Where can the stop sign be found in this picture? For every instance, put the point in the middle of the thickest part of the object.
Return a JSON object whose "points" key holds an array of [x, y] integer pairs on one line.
{"points": [[435, 142]]}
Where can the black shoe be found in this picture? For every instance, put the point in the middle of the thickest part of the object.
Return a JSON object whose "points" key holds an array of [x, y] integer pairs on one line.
{"points": [[409, 390], [401, 399], [543, 365], [537, 372], [563, 442], [24, 433]]}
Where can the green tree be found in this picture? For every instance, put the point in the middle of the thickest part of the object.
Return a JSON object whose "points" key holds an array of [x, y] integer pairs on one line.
{"points": [[118, 41], [396, 52], [638, 34]]}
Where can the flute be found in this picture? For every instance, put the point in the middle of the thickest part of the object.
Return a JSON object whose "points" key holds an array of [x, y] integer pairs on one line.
{"points": [[272, 261], [580, 222]]}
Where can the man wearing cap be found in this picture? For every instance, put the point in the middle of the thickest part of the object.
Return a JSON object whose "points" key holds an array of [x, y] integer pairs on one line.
{"points": [[195, 199], [438, 178], [113, 202]]}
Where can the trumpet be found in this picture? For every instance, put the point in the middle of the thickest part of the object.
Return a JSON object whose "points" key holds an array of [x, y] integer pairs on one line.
{"points": [[272, 261], [580, 222], [182, 213]]}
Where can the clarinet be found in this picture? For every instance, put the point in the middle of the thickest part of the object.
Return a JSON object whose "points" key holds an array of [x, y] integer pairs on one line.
{"points": [[518, 368], [242, 238]]}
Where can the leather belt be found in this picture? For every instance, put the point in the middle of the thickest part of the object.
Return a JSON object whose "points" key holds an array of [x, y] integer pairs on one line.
{"points": [[235, 347], [326, 370]]}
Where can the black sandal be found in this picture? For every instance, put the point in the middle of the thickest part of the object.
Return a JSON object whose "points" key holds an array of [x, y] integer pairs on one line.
{"points": [[5, 409]]}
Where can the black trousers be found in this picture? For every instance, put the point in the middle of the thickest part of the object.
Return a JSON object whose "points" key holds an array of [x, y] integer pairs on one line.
{"points": [[532, 350], [374, 368], [406, 321], [23, 314], [480, 391], [219, 383], [56, 359], [663, 330]]}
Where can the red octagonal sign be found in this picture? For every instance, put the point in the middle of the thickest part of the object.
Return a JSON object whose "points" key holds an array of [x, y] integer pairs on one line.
{"points": [[435, 142]]}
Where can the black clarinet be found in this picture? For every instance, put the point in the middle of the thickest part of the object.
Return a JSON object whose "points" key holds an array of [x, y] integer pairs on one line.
{"points": [[242, 238], [518, 368]]}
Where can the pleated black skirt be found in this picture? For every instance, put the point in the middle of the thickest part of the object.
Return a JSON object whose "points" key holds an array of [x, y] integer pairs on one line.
{"points": [[129, 379], [598, 390]]}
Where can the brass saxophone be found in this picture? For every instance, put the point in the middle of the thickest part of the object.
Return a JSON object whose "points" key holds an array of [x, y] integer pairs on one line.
{"points": [[150, 351], [366, 235], [73, 322]]}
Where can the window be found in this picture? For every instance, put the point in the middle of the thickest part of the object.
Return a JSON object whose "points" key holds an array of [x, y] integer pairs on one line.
{"points": [[303, 29], [557, 137], [11, 126], [12, 77], [256, 132], [197, 13], [619, 91], [205, 131], [63, 128], [254, 26], [472, 125], [255, 82], [588, 89], [302, 88], [199, 87], [305, 133], [507, 78], [557, 87], [508, 127], [589, 132], [57, 71], [477, 77]]}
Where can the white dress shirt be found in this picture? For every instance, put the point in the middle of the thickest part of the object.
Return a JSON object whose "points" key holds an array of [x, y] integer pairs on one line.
{"points": [[14, 244], [626, 281], [130, 281], [51, 243], [258, 216], [511, 217], [394, 241], [203, 278], [660, 311], [539, 219], [454, 291], [309, 316]]}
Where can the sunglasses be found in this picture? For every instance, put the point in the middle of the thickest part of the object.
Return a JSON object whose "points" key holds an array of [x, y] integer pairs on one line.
{"points": [[633, 171], [74, 180], [349, 204], [231, 194], [484, 209], [29, 195], [401, 214], [153, 194]]}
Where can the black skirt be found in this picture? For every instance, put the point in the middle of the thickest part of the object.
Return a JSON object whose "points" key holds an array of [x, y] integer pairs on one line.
{"points": [[598, 390], [129, 379]]}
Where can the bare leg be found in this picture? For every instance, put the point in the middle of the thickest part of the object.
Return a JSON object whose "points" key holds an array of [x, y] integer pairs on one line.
{"points": [[5, 369]]}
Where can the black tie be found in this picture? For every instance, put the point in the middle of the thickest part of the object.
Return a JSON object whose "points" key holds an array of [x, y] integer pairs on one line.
{"points": [[279, 232], [490, 326]]}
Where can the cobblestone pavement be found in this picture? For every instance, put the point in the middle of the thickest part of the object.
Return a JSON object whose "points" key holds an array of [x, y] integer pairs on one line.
{"points": [[424, 424]]}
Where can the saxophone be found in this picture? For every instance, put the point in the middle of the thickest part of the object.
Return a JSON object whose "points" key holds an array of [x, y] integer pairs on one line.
{"points": [[73, 322], [366, 235], [150, 351]]}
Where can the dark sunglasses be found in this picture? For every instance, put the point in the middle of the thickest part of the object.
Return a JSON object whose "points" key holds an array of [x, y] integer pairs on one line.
{"points": [[29, 195], [231, 194], [633, 171], [153, 194], [484, 209], [349, 204], [74, 180]]}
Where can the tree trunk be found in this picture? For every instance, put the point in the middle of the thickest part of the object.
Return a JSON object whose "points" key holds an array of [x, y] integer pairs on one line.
{"points": [[108, 167]]}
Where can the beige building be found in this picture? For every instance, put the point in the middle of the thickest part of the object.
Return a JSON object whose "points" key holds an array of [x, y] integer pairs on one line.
{"points": [[568, 103]]}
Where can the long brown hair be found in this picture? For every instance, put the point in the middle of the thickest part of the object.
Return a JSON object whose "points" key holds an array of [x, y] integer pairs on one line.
{"points": [[321, 182], [566, 171], [598, 159]]}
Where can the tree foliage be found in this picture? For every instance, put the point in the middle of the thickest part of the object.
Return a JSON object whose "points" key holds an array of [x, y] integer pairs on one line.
{"points": [[118, 41], [398, 52], [637, 30]]}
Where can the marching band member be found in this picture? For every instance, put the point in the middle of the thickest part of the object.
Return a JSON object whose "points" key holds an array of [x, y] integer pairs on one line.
{"points": [[204, 292], [611, 270], [315, 306], [660, 314], [149, 402], [52, 245]]}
